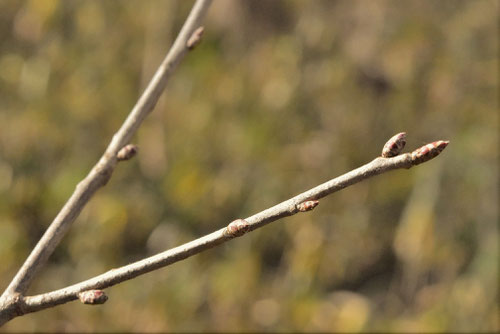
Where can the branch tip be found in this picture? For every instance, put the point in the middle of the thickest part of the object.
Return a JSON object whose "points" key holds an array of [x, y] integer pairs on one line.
{"points": [[195, 38], [93, 297], [395, 145], [428, 152], [127, 152]]}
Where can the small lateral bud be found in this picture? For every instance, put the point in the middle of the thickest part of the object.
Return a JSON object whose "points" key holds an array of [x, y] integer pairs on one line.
{"points": [[429, 151], [127, 152], [93, 297], [195, 38], [307, 205], [237, 228], [394, 146]]}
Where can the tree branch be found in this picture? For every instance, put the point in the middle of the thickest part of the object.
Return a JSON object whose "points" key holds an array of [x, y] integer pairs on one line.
{"points": [[303, 202], [101, 172]]}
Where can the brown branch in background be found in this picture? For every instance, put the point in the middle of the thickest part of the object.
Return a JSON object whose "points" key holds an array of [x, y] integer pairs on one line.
{"points": [[305, 201], [102, 171]]}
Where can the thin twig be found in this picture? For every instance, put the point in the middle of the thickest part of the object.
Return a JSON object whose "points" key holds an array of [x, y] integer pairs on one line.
{"points": [[303, 202], [101, 172]]}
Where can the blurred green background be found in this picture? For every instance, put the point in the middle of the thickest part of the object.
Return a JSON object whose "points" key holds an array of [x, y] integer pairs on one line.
{"points": [[279, 97]]}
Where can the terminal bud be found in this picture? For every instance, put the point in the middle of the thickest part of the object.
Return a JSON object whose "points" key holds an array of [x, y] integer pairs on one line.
{"points": [[429, 151]]}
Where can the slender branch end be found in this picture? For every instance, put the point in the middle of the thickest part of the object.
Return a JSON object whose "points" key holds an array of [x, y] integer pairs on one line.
{"points": [[428, 152]]}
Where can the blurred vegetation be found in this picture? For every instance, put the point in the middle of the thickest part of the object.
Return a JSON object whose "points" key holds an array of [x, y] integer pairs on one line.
{"points": [[279, 97]]}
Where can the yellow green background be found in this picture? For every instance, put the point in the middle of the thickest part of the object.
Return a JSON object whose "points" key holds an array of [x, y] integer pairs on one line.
{"points": [[279, 97]]}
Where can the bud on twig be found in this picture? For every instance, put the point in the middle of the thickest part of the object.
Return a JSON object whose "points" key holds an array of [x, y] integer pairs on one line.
{"points": [[307, 205], [127, 152], [237, 228], [394, 146], [429, 151], [195, 38], [93, 297]]}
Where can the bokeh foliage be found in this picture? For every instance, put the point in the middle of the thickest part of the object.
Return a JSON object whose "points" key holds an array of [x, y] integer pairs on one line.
{"points": [[280, 96]]}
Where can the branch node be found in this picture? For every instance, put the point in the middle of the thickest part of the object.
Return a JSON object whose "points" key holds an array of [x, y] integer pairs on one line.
{"points": [[195, 38], [307, 205], [237, 228], [93, 297], [127, 152], [428, 152], [395, 145]]}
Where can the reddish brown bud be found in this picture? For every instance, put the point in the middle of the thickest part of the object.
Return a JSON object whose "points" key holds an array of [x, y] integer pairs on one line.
{"points": [[395, 145], [127, 152], [429, 151], [93, 297], [307, 205], [195, 38], [237, 228]]}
